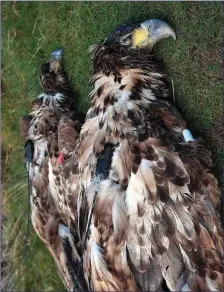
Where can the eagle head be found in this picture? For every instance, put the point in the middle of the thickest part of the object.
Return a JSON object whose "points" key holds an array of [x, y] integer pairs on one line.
{"points": [[52, 75], [143, 35]]}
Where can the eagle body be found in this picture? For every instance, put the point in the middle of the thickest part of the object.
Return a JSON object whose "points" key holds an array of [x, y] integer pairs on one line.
{"points": [[155, 218], [51, 130]]}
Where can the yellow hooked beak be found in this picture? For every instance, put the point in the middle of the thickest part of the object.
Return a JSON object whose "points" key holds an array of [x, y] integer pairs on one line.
{"points": [[150, 32]]}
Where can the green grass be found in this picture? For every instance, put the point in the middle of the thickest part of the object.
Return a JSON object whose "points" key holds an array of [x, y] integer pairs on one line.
{"points": [[31, 30]]}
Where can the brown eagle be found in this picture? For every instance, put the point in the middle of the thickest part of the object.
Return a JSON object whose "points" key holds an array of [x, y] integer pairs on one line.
{"points": [[155, 202], [51, 133]]}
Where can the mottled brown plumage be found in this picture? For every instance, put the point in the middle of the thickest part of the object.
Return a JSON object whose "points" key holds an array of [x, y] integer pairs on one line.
{"points": [[156, 219], [155, 202], [53, 128]]}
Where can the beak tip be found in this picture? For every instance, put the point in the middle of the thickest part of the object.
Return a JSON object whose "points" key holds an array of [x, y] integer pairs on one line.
{"points": [[57, 53], [174, 36], [160, 29]]}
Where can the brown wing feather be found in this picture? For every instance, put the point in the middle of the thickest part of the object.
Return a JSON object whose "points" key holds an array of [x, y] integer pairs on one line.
{"points": [[178, 211], [24, 126], [105, 257], [46, 221]]}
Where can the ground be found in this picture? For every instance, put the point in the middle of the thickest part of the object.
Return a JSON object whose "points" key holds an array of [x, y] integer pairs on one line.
{"points": [[30, 31]]}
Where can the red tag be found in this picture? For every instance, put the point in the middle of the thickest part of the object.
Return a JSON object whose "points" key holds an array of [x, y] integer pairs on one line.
{"points": [[61, 157]]}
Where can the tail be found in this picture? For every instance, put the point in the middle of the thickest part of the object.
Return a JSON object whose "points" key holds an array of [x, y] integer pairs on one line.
{"points": [[73, 259]]}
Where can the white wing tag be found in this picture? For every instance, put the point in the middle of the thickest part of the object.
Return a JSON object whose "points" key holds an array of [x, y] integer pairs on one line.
{"points": [[187, 135]]}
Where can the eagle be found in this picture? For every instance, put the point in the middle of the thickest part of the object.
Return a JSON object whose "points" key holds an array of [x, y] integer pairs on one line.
{"points": [[155, 220], [51, 133], [125, 198]]}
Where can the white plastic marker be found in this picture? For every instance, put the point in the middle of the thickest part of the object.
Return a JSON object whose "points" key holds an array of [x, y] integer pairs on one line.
{"points": [[187, 135]]}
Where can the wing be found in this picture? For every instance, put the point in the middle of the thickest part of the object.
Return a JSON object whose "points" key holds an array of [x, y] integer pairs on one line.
{"points": [[46, 222], [168, 200], [63, 167], [172, 202], [45, 217], [24, 126]]}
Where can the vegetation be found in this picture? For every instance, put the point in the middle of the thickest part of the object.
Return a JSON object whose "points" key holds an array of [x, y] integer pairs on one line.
{"points": [[30, 31]]}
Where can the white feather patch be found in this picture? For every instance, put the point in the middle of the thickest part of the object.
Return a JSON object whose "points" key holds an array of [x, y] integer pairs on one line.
{"points": [[212, 285], [119, 216], [148, 94], [185, 288], [134, 194], [187, 261], [186, 228], [63, 231], [99, 263]]}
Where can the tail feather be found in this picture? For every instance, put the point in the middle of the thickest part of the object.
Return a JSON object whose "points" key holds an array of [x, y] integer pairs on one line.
{"points": [[72, 258]]}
